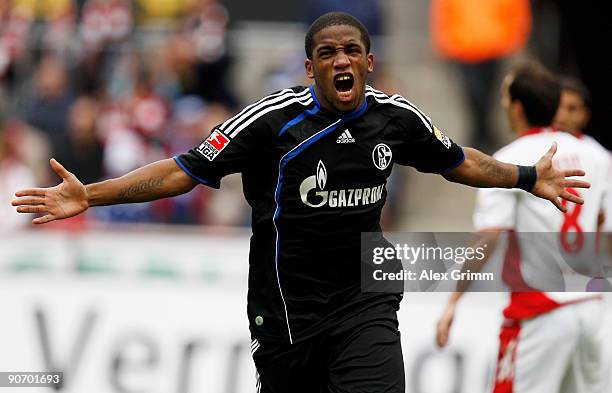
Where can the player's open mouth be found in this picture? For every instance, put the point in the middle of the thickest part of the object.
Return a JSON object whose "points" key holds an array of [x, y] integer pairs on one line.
{"points": [[344, 85]]}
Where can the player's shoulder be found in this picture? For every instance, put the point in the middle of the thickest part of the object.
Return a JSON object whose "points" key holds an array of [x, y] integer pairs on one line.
{"points": [[595, 145], [273, 108], [590, 149], [298, 94], [526, 147], [383, 100], [395, 106], [598, 155], [297, 90], [522, 148]]}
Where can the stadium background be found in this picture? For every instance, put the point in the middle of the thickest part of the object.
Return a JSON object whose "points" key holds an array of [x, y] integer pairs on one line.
{"points": [[151, 297]]}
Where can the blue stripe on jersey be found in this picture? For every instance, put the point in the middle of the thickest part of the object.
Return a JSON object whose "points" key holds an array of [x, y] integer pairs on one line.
{"points": [[302, 146], [283, 163], [444, 172], [314, 95], [184, 168], [302, 115]]}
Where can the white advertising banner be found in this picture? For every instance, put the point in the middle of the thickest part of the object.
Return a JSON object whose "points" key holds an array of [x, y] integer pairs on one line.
{"points": [[133, 312]]}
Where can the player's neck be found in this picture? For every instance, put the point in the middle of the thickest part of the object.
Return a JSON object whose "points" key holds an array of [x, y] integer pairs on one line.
{"points": [[577, 133], [329, 107], [532, 130], [521, 127]]}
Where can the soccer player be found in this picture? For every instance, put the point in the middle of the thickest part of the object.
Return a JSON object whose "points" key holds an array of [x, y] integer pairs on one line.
{"points": [[573, 116], [555, 332], [574, 110], [314, 163]]}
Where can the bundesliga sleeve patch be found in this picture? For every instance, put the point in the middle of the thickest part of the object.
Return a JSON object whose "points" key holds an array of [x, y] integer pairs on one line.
{"points": [[213, 145], [442, 137]]}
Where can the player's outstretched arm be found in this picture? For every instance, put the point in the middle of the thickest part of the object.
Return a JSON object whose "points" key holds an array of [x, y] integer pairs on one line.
{"points": [[160, 179], [542, 180]]}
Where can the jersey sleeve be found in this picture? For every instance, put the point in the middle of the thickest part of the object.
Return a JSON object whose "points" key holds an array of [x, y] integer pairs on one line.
{"points": [[226, 150], [424, 146]]}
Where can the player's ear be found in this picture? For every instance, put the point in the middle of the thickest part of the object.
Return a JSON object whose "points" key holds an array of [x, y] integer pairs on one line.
{"points": [[308, 67], [370, 62]]}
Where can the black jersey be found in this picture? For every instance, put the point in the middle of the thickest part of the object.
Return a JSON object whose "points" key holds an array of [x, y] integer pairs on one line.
{"points": [[315, 181]]}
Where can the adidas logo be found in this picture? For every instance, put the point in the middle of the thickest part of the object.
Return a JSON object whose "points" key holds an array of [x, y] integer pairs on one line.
{"points": [[345, 137]]}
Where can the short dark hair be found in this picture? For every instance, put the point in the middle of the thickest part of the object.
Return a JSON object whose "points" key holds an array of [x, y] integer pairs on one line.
{"points": [[334, 19], [538, 90], [574, 85]]}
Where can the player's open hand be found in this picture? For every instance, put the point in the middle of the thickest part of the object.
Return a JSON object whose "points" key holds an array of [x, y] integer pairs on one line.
{"points": [[444, 325], [552, 183], [62, 201]]}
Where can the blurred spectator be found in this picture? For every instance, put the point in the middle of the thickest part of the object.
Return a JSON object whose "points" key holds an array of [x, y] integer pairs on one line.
{"points": [[81, 152], [147, 110], [46, 104], [44, 9], [186, 126], [105, 26], [3, 107], [14, 175], [104, 22], [288, 71], [183, 73], [27, 145], [55, 23], [477, 35], [159, 11], [207, 24], [32, 147], [186, 130], [124, 151], [60, 28], [199, 55], [133, 131], [15, 25], [121, 83], [110, 109]]}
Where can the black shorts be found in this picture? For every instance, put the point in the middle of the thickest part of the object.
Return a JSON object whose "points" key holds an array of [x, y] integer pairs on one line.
{"points": [[361, 355]]}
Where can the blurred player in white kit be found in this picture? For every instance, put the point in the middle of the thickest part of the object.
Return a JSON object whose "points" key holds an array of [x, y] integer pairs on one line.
{"points": [[573, 116], [550, 341]]}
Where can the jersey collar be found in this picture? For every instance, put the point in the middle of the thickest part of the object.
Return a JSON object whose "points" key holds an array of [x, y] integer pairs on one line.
{"points": [[538, 130], [345, 116]]}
